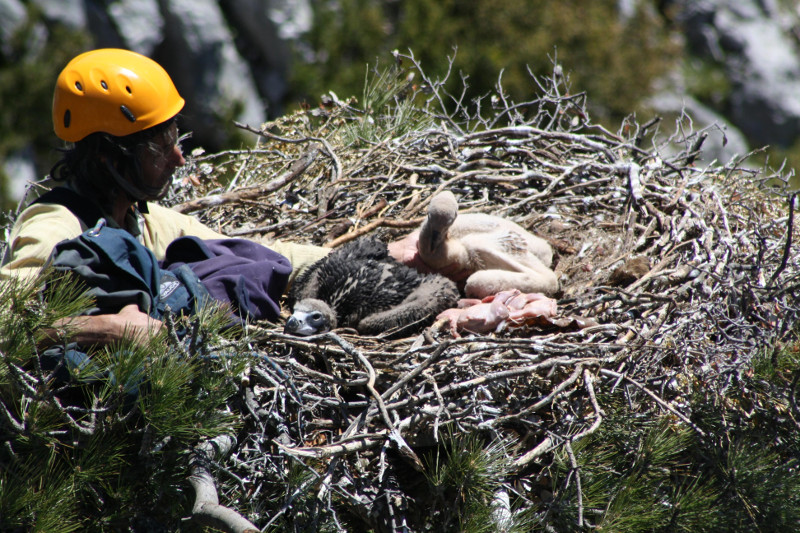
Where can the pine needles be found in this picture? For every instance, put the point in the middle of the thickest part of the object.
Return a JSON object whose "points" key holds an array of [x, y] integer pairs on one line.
{"points": [[645, 473], [469, 487], [108, 448], [389, 109]]}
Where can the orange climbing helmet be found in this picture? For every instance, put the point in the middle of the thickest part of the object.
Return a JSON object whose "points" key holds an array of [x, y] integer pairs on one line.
{"points": [[114, 91]]}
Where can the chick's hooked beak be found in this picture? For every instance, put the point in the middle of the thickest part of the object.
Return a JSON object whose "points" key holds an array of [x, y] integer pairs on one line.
{"points": [[435, 241], [304, 324]]}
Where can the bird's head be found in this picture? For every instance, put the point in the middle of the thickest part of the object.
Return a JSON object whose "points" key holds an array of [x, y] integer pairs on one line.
{"points": [[442, 212], [310, 317]]}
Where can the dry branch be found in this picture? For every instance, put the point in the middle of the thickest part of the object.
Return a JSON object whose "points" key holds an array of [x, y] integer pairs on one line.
{"points": [[207, 511], [299, 166]]}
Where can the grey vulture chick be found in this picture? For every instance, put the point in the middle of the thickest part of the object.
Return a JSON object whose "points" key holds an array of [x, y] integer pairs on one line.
{"points": [[500, 254], [359, 285]]}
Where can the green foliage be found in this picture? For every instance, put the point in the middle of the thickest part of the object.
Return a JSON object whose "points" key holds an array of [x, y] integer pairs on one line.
{"points": [[299, 492], [708, 82], [615, 60], [777, 365], [107, 450], [388, 109], [346, 36], [465, 475], [762, 487], [785, 158], [231, 136], [27, 75], [652, 474]]}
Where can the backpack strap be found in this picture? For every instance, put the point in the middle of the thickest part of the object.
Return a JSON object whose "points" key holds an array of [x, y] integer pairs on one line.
{"points": [[80, 206]]}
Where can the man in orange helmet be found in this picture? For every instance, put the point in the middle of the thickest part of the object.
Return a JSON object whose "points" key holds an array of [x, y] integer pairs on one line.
{"points": [[119, 110]]}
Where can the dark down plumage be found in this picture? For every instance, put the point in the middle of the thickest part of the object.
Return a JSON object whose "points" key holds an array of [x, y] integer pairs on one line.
{"points": [[361, 286]]}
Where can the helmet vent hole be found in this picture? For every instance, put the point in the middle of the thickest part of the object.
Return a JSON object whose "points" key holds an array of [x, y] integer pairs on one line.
{"points": [[104, 85], [127, 112], [128, 89], [67, 118], [79, 86]]}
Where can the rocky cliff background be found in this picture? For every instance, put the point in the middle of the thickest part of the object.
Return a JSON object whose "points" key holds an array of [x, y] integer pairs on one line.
{"points": [[735, 63]]}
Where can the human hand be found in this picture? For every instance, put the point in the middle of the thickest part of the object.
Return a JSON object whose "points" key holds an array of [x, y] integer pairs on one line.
{"points": [[132, 322], [100, 330]]}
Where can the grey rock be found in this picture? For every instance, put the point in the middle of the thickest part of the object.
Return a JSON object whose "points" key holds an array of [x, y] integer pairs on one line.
{"points": [[752, 40], [139, 24], [724, 142], [12, 16], [20, 168], [194, 42], [263, 30], [68, 12], [199, 53], [292, 17], [228, 58], [232, 55]]}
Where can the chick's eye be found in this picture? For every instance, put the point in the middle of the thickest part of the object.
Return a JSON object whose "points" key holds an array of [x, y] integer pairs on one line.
{"points": [[316, 316]]}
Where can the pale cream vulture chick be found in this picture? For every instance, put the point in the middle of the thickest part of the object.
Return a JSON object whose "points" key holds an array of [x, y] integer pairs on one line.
{"points": [[501, 254]]}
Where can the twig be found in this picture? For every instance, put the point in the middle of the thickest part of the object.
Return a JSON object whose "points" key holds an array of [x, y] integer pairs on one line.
{"points": [[788, 246], [576, 470], [394, 434], [353, 444], [655, 397], [598, 412], [370, 227], [337, 165], [542, 448], [297, 169]]}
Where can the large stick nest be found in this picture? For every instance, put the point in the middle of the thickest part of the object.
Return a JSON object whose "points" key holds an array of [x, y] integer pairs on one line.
{"points": [[674, 272]]}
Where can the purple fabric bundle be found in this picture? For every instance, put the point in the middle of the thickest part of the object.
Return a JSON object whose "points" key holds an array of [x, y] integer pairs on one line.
{"points": [[249, 276]]}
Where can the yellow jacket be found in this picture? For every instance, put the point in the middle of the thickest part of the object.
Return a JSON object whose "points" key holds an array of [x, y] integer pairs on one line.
{"points": [[41, 226]]}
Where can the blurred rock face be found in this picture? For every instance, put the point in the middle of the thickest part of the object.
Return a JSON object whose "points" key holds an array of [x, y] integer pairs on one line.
{"points": [[228, 58], [756, 42]]}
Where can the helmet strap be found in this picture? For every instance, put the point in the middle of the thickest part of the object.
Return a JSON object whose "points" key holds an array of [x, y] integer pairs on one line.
{"points": [[137, 193]]}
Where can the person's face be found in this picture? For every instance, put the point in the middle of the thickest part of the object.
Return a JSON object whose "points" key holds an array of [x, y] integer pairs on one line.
{"points": [[160, 159]]}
